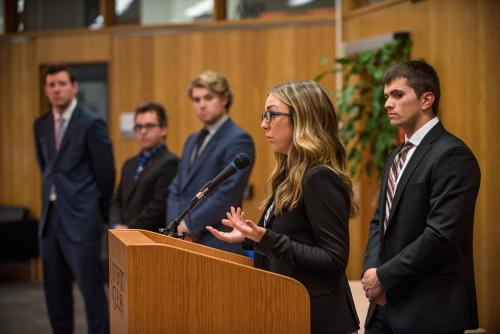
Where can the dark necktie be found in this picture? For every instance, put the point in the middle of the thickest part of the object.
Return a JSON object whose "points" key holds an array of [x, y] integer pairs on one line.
{"points": [[142, 159], [396, 167], [199, 142], [58, 135], [59, 131]]}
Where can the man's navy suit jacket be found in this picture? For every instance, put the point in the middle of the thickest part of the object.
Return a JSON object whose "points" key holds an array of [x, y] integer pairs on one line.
{"points": [[82, 172], [220, 151]]}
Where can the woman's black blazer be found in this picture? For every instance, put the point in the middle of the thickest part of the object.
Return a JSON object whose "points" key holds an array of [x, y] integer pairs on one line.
{"points": [[310, 243]]}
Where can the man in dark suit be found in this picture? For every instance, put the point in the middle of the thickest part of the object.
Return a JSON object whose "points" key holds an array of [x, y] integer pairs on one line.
{"points": [[139, 201], [76, 162], [418, 271], [205, 154]]}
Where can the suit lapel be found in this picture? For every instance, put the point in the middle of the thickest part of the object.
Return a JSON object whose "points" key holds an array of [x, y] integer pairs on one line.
{"points": [[421, 150], [198, 162], [185, 171], [48, 142], [51, 140], [67, 133], [128, 178], [147, 168], [205, 154]]}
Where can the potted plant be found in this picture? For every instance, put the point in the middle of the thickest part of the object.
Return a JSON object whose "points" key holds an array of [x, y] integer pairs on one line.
{"points": [[364, 127]]}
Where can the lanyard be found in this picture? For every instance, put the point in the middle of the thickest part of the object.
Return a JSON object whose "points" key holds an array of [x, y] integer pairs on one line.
{"points": [[268, 214]]}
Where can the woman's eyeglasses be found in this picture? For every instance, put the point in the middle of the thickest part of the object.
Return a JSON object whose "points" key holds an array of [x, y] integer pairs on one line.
{"points": [[269, 115]]}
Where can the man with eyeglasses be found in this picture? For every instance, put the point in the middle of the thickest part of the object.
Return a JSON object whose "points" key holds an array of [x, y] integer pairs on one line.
{"points": [[205, 154], [139, 201]]}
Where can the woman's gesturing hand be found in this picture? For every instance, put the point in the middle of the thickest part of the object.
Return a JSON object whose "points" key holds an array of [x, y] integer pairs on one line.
{"points": [[242, 228]]}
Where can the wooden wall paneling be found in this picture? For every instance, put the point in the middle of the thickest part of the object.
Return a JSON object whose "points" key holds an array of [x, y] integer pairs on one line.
{"points": [[486, 105], [358, 27], [5, 119], [19, 97], [461, 40], [174, 58], [159, 66], [253, 60], [220, 51], [467, 65], [107, 9], [273, 56], [25, 110], [178, 59], [131, 82], [251, 93], [276, 56], [248, 71], [169, 66], [82, 47], [406, 15], [310, 47]]}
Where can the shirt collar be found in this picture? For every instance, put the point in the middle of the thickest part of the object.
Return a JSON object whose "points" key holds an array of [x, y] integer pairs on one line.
{"points": [[217, 125], [152, 151], [66, 115], [417, 137]]}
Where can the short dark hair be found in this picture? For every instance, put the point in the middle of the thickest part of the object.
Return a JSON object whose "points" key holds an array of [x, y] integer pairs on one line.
{"points": [[53, 69], [160, 111], [420, 76]]}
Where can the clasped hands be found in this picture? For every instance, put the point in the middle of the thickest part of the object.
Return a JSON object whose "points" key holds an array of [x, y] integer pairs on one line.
{"points": [[373, 289], [241, 228]]}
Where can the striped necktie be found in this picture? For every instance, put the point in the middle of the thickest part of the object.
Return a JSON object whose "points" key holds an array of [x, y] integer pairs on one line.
{"points": [[396, 167]]}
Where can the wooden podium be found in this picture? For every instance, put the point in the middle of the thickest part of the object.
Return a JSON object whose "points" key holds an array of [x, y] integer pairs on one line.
{"points": [[158, 284]]}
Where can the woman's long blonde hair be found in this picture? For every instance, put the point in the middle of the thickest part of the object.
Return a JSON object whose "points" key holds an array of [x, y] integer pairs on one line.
{"points": [[315, 142]]}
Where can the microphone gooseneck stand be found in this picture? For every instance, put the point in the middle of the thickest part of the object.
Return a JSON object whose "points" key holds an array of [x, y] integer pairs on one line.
{"points": [[171, 229], [240, 162]]}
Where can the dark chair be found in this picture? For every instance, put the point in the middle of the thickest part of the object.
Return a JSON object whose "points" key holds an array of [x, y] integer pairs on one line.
{"points": [[18, 236]]}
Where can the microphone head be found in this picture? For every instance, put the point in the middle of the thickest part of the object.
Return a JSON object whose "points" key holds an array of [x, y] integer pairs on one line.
{"points": [[241, 161]]}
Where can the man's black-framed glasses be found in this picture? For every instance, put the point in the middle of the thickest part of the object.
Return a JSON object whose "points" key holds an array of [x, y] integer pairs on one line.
{"points": [[147, 127], [269, 115]]}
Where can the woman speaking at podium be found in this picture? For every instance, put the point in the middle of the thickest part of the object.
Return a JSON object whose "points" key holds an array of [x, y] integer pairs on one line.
{"points": [[303, 232]]}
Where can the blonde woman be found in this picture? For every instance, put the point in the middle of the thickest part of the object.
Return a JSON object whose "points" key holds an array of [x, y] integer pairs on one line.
{"points": [[303, 232]]}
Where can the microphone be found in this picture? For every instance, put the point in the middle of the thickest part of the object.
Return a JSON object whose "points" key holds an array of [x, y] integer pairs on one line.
{"points": [[241, 161]]}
